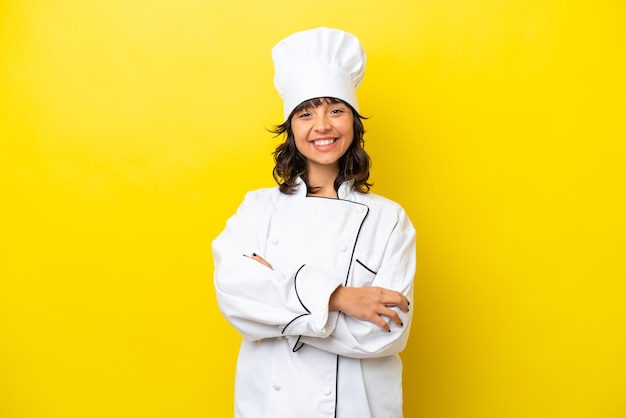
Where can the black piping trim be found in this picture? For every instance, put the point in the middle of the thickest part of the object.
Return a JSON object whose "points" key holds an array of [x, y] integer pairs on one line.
{"points": [[365, 267], [355, 241], [291, 322], [295, 279], [308, 312], [297, 347], [336, 384]]}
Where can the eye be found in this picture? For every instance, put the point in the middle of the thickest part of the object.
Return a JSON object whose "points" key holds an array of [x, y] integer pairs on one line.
{"points": [[304, 115], [336, 111]]}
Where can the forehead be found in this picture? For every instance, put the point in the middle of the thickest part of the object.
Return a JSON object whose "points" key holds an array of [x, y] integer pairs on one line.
{"points": [[318, 101]]}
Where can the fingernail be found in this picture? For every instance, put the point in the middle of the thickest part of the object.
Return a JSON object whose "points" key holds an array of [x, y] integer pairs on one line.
{"points": [[408, 303], [389, 330], [253, 254], [401, 324]]}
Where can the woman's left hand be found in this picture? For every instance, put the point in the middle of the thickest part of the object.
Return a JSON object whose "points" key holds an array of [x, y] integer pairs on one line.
{"points": [[261, 260]]}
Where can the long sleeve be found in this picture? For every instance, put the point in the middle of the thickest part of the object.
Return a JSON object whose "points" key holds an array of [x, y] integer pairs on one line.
{"points": [[260, 302], [314, 245], [362, 339], [294, 350]]}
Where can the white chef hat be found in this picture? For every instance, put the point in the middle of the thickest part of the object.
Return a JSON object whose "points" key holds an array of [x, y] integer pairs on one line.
{"points": [[318, 62]]}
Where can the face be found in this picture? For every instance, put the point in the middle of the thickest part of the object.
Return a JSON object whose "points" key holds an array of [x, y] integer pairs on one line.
{"points": [[323, 134]]}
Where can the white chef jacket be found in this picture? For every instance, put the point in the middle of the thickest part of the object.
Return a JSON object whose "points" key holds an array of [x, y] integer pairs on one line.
{"points": [[298, 359]]}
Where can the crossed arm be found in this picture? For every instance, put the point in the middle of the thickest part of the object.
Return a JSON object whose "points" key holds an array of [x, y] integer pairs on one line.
{"points": [[371, 304]]}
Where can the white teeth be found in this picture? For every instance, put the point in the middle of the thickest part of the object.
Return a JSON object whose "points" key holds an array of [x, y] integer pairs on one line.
{"points": [[322, 142]]}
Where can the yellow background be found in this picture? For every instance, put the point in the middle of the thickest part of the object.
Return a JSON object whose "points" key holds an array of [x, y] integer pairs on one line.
{"points": [[130, 130]]}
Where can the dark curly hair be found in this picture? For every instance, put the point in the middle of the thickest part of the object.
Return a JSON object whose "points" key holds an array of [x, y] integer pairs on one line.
{"points": [[354, 165]]}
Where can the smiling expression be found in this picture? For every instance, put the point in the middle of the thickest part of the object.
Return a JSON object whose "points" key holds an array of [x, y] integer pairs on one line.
{"points": [[323, 133]]}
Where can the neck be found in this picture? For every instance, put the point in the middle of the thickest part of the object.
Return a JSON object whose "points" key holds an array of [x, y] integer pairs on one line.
{"points": [[322, 180]]}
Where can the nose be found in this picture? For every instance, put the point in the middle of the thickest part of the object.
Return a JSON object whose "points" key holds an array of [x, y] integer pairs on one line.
{"points": [[322, 123]]}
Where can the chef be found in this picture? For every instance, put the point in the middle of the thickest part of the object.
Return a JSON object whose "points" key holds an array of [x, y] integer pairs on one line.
{"points": [[317, 273]]}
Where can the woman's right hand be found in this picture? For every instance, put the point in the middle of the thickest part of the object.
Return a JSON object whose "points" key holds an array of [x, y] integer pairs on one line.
{"points": [[369, 304]]}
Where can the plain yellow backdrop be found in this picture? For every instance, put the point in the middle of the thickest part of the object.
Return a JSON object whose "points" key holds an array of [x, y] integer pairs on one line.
{"points": [[130, 130]]}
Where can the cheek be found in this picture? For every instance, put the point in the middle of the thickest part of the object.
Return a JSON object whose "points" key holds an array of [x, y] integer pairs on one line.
{"points": [[299, 146], [299, 137], [299, 131], [348, 131]]}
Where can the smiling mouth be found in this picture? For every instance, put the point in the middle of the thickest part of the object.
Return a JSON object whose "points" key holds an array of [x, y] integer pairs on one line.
{"points": [[322, 142]]}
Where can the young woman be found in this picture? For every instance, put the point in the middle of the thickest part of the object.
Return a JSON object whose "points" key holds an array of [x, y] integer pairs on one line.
{"points": [[317, 273]]}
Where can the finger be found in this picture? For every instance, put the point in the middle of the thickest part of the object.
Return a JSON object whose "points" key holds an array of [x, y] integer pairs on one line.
{"points": [[396, 299], [383, 324], [393, 316], [261, 260], [377, 320]]}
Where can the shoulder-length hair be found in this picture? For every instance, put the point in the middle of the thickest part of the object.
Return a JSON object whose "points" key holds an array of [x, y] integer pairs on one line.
{"points": [[354, 165]]}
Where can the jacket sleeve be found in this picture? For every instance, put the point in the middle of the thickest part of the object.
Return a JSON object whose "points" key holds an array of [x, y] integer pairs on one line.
{"points": [[260, 302], [362, 339]]}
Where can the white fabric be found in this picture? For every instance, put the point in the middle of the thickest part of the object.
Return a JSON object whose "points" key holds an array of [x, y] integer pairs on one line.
{"points": [[297, 359], [320, 62]]}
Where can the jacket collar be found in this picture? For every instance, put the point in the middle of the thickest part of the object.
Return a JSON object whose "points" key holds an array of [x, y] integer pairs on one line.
{"points": [[345, 190], [344, 193]]}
